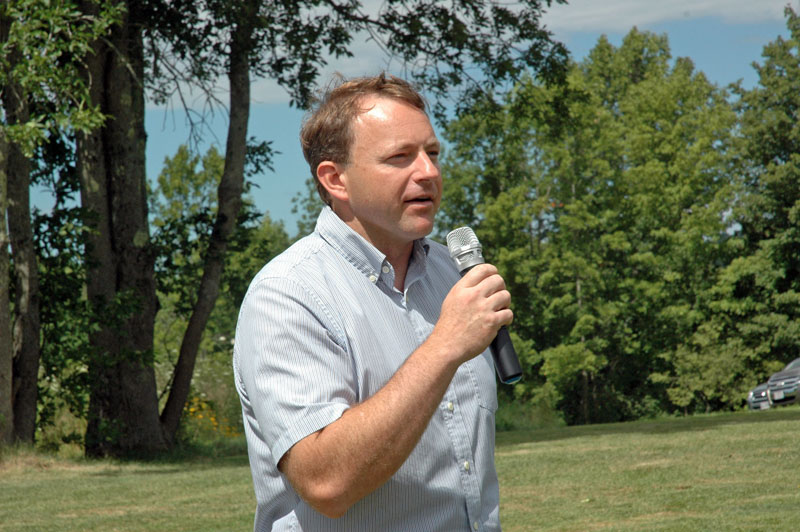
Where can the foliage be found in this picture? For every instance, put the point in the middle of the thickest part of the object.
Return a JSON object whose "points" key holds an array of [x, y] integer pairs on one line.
{"points": [[182, 213], [43, 46], [468, 45], [53, 38], [646, 221], [66, 317], [307, 205], [605, 222], [753, 325]]}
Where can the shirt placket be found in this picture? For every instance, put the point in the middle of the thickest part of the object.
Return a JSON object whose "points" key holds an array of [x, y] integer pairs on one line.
{"points": [[465, 460]]}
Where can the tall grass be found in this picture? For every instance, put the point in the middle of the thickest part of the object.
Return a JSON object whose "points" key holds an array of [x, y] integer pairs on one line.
{"points": [[725, 472]]}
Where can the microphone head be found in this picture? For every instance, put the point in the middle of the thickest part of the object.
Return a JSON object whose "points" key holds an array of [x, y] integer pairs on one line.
{"points": [[465, 248]]}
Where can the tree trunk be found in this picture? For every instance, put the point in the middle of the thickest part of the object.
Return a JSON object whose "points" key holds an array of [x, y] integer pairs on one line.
{"points": [[123, 404], [584, 372], [6, 353], [229, 196], [26, 331], [23, 338]]}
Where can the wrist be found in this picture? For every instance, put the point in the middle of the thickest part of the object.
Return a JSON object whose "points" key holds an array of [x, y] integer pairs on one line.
{"points": [[443, 352]]}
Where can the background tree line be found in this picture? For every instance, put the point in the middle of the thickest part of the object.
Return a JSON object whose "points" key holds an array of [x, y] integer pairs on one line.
{"points": [[649, 232], [88, 289], [645, 220]]}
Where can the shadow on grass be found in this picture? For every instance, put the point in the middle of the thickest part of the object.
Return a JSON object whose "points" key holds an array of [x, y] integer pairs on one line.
{"points": [[207, 454], [171, 466], [698, 422]]}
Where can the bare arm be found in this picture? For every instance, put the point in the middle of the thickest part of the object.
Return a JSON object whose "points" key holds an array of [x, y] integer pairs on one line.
{"points": [[337, 466]]}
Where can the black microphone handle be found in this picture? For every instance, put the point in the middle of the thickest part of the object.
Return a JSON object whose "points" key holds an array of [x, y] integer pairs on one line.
{"points": [[506, 361], [505, 357]]}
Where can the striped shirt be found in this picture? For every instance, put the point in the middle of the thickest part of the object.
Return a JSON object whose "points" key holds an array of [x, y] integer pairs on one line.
{"points": [[322, 328]]}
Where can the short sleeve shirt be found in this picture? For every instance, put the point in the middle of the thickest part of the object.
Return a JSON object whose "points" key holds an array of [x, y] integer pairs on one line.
{"points": [[321, 329]]}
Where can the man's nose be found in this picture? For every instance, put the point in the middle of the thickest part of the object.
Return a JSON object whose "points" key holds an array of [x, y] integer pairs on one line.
{"points": [[427, 166]]}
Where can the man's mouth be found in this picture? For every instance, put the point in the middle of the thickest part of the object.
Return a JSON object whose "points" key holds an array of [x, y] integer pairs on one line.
{"points": [[421, 199]]}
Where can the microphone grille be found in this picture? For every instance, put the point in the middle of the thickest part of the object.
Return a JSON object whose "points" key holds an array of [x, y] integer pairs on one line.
{"points": [[461, 239]]}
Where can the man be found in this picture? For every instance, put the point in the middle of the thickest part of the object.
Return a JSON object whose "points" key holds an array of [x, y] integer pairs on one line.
{"points": [[361, 359]]}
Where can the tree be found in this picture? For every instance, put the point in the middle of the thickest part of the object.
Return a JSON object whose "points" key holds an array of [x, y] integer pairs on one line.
{"points": [[6, 352], [469, 44], [43, 45], [123, 407], [65, 316], [604, 218], [753, 324], [182, 210]]}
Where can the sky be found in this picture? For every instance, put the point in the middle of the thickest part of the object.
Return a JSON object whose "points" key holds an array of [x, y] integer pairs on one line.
{"points": [[722, 37]]}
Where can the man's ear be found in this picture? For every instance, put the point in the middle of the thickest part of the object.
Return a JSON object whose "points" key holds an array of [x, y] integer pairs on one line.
{"points": [[330, 175]]}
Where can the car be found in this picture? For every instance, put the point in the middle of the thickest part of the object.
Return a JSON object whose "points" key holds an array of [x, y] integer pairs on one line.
{"points": [[757, 398], [782, 387]]}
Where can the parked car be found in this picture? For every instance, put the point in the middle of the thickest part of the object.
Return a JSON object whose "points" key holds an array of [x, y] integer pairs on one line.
{"points": [[757, 398], [782, 387]]}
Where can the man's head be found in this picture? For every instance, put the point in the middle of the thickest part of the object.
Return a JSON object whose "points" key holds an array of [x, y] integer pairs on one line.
{"points": [[375, 156], [327, 133]]}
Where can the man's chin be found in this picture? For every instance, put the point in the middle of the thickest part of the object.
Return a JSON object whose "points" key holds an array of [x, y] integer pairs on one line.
{"points": [[421, 228]]}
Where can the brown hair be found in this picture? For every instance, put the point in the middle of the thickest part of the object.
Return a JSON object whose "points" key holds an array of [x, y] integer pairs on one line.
{"points": [[327, 134]]}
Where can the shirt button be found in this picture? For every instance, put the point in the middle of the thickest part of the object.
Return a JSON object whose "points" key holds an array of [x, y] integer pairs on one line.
{"points": [[373, 279], [450, 406], [466, 465], [385, 269], [475, 525]]}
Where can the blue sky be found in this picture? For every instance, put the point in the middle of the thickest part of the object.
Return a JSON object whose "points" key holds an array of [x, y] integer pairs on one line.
{"points": [[722, 37]]}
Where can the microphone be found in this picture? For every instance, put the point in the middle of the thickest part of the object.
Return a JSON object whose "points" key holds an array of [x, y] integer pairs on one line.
{"points": [[467, 253]]}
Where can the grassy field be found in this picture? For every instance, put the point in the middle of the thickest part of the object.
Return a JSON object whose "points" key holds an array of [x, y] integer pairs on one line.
{"points": [[726, 472]]}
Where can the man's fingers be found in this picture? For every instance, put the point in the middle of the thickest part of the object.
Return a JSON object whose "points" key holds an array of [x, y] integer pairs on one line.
{"points": [[500, 299], [478, 273], [506, 316]]}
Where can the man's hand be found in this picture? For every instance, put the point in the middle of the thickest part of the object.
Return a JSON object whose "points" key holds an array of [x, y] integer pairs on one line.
{"points": [[472, 313]]}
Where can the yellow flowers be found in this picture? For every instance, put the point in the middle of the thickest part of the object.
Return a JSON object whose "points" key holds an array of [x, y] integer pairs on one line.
{"points": [[200, 417]]}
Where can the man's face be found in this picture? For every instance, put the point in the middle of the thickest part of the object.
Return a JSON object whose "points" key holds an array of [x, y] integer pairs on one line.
{"points": [[393, 181]]}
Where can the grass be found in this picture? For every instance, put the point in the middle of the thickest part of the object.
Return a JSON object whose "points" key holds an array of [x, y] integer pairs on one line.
{"points": [[721, 472], [198, 494]]}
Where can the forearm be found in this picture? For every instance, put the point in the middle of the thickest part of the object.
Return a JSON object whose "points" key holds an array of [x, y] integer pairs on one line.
{"points": [[334, 468]]}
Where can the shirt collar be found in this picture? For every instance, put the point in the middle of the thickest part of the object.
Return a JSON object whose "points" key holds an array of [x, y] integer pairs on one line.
{"points": [[364, 256]]}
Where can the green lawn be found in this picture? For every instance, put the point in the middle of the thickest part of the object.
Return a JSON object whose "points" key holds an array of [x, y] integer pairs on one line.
{"points": [[724, 472]]}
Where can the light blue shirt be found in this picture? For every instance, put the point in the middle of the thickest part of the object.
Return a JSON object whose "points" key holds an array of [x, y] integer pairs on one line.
{"points": [[322, 328]]}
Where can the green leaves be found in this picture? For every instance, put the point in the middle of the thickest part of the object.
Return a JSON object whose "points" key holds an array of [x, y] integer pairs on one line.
{"points": [[42, 57], [606, 221], [752, 314]]}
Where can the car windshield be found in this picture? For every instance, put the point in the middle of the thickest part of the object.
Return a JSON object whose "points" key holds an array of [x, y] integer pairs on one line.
{"points": [[794, 364]]}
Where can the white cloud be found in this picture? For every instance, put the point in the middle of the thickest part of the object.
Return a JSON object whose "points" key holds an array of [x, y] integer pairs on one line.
{"points": [[620, 15]]}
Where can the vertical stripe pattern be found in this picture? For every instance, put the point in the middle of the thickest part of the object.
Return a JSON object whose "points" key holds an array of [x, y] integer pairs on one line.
{"points": [[322, 328]]}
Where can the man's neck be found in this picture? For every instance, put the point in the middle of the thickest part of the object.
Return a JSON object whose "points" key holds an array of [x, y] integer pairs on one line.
{"points": [[399, 262], [397, 254]]}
